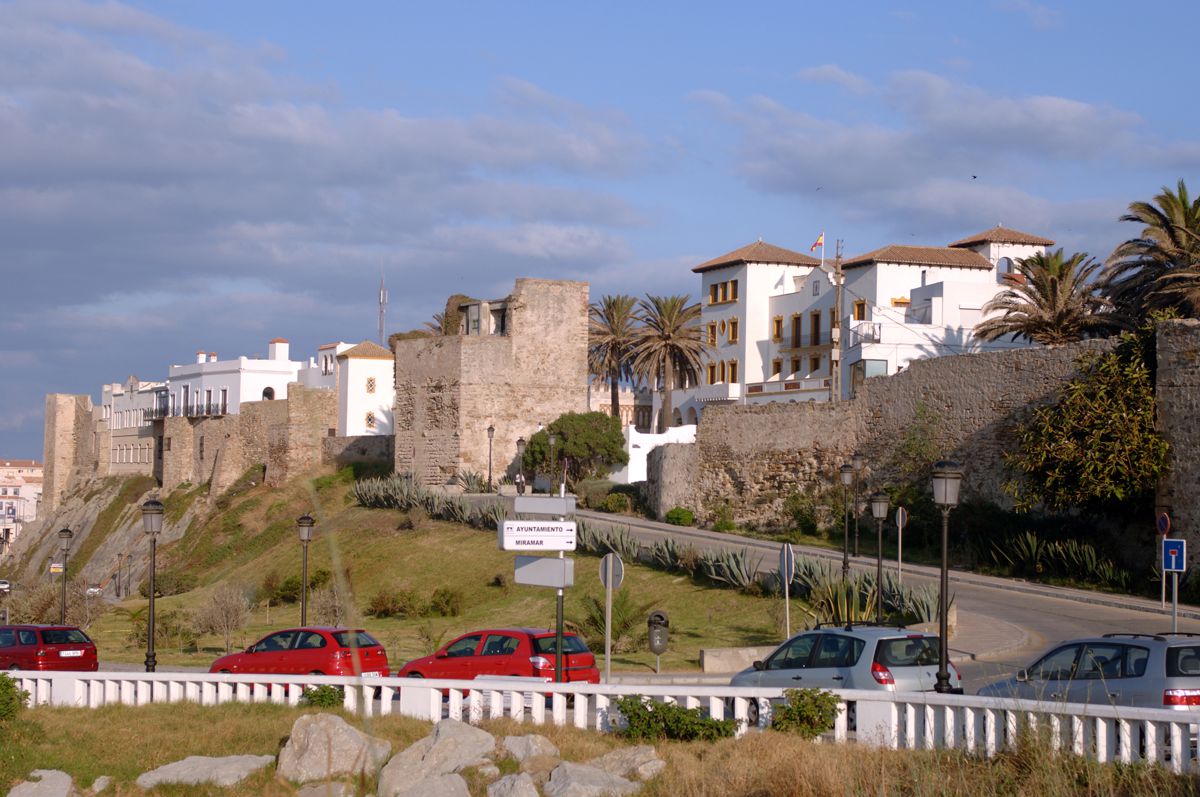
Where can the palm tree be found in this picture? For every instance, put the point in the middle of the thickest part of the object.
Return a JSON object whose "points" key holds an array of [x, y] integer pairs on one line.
{"points": [[667, 345], [437, 326], [612, 324], [1050, 299], [1161, 267]]}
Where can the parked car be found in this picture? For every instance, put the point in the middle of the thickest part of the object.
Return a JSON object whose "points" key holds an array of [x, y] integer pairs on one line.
{"points": [[527, 652], [890, 659], [310, 651], [1146, 670], [46, 647], [5, 585]]}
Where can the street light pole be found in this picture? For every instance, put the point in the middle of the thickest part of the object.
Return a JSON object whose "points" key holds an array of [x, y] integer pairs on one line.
{"points": [[857, 461], [491, 430], [304, 526], [847, 472], [520, 480], [947, 476], [152, 517], [879, 508], [64, 538]]}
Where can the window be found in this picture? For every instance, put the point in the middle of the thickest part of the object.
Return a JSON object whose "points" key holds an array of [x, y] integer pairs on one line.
{"points": [[464, 647], [733, 370], [838, 651], [310, 640], [1056, 666], [796, 331], [776, 367], [795, 365], [370, 420], [814, 328], [794, 655], [1101, 661], [923, 275], [816, 286], [733, 290], [497, 645], [814, 363], [201, 448], [712, 333], [713, 293], [777, 328], [860, 310], [721, 371], [370, 384], [733, 330], [281, 641], [224, 400], [712, 373]]}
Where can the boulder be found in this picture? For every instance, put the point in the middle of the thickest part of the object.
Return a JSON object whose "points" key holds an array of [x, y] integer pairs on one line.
{"points": [[523, 747], [330, 789], [324, 746], [639, 762], [513, 786], [581, 780], [452, 746], [439, 786], [45, 783], [198, 769], [101, 783]]}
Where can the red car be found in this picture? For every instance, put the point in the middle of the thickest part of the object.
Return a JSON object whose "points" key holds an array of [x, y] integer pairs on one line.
{"points": [[525, 652], [46, 647], [310, 651]]}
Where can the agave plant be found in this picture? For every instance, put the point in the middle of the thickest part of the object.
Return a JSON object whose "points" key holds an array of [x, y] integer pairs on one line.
{"points": [[849, 601], [456, 510], [491, 515], [730, 567], [623, 544], [810, 573], [472, 481]]}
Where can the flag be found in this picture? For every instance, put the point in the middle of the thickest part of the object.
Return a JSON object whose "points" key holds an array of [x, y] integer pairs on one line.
{"points": [[819, 242]]}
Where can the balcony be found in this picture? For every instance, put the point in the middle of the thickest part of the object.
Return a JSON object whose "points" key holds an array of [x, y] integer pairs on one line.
{"points": [[865, 332], [791, 388], [199, 410], [724, 391]]}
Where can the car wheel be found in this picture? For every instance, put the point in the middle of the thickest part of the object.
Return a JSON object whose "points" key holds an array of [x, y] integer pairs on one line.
{"points": [[224, 672], [316, 672], [415, 675], [14, 668], [752, 713]]}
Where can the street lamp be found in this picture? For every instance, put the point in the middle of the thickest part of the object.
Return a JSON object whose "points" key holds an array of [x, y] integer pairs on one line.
{"points": [[847, 479], [879, 508], [491, 430], [64, 539], [947, 476], [857, 460], [152, 517], [520, 480], [553, 439], [304, 525]]}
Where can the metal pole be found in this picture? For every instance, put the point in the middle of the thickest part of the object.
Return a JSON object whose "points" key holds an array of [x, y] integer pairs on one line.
{"points": [[856, 511], [489, 463], [608, 590], [846, 534], [1174, 601], [943, 673], [900, 556], [62, 604], [879, 570], [151, 659], [787, 608], [304, 584]]}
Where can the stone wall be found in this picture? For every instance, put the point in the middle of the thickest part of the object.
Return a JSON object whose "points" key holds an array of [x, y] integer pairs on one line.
{"points": [[751, 457], [1178, 404], [67, 445], [311, 417], [342, 451]]}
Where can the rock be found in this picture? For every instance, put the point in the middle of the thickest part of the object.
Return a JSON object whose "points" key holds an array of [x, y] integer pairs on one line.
{"points": [[45, 783], [523, 747], [101, 783], [323, 746], [513, 786], [452, 746], [639, 762], [197, 769], [330, 789], [540, 767], [489, 771], [440, 786], [581, 780]]}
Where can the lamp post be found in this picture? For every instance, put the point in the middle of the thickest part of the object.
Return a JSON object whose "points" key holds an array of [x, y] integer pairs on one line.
{"points": [[553, 439], [847, 472], [152, 517], [520, 480], [857, 460], [947, 476], [491, 430], [304, 526], [879, 508], [64, 539]]}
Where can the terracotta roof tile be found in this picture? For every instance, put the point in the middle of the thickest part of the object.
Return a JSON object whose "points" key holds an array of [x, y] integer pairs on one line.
{"points": [[1003, 235], [367, 351], [921, 256], [758, 252]]}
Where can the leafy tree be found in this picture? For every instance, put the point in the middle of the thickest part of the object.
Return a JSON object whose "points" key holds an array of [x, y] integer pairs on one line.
{"points": [[590, 444], [1050, 299], [668, 347], [1160, 268], [1098, 443], [612, 326]]}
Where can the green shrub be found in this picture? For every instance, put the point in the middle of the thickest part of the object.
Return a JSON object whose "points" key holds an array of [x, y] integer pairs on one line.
{"points": [[617, 503], [724, 521], [12, 699], [168, 583], [679, 516], [807, 712], [395, 603], [324, 696], [446, 602], [646, 720]]}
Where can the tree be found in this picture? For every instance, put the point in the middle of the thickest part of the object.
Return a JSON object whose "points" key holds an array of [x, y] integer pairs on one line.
{"points": [[668, 346], [224, 613], [1159, 269], [590, 444], [612, 325], [1050, 300]]}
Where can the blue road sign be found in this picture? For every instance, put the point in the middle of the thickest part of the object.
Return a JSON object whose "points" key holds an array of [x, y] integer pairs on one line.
{"points": [[1163, 524], [1174, 555]]}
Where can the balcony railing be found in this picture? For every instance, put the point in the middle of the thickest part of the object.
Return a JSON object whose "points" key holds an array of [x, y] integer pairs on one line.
{"points": [[819, 384], [198, 410], [865, 332]]}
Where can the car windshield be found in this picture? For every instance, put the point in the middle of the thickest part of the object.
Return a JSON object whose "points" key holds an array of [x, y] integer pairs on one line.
{"points": [[1183, 661], [64, 636], [355, 639], [907, 651], [571, 644]]}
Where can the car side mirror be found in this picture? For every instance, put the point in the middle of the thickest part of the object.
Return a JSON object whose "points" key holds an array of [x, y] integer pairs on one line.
{"points": [[441, 654], [252, 649], [1022, 675], [758, 665]]}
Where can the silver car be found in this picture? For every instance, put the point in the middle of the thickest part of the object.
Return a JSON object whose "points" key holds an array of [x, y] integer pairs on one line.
{"points": [[1145, 670], [850, 657]]}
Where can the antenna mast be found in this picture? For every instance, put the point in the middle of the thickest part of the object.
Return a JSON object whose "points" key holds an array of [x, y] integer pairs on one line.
{"points": [[382, 307]]}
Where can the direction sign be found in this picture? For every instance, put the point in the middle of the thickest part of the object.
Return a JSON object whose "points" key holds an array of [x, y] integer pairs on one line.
{"points": [[537, 535], [1174, 555], [618, 570], [901, 517], [787, 564], [544, 505], [544, 571], [56, 567], [1163, 523]]}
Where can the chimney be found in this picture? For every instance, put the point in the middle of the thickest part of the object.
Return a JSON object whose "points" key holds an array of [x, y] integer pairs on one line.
{"points": [[199, 356], [212, 356], [277, 349]]}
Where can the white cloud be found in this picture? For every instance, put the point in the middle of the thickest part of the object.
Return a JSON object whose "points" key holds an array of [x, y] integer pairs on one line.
{"points": [[1040, 16], [832, 73]]}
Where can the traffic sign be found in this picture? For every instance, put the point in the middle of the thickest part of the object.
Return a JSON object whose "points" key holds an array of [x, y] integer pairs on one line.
{"points": [[611, 560], [787, 564], [544, 505], [537, 535], [56, 567], [544, 571], [1163, 523], [1174, 555], [901, 517]]}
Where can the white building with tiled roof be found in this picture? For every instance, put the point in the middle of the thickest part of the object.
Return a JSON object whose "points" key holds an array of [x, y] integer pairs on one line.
{"points": [[20, 498], [366, 390]]}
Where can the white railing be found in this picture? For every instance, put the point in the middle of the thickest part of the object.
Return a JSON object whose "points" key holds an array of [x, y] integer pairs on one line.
{"points": [[899, 720]]}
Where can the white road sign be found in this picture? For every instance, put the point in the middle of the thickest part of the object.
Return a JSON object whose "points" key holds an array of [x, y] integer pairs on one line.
{"points": [[544, 571], [537, 535]]}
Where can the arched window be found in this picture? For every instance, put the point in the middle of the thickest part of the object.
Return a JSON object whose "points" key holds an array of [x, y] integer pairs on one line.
{"points": [[1004, 265], [268, 394], [691, 416]]}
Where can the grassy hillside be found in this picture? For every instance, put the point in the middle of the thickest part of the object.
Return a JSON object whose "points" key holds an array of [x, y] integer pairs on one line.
{"points": [[254, 537]]}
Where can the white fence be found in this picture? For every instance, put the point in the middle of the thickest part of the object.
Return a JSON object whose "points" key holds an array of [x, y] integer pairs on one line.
{"points": [[902, 720]]}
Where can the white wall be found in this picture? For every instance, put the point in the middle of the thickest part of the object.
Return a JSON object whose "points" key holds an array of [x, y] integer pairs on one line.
{"points": [[638, 446], [354, 400]]}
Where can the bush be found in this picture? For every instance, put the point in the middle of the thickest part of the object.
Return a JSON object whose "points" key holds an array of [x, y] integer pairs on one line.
{"points": [[724, 521], [646, 720], [324, 696], [679, 516], [395, 603], [446, 602], [12, 699], [807, 712], [617, 503], [168, 583]]}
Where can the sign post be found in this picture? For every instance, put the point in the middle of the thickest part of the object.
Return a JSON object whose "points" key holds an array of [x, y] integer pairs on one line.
{"points": [[787, 571], [901, 519], [1174, 557], [612, 573], [1162, 525]]}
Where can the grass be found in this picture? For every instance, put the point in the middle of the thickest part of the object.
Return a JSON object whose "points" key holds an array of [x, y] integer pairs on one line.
{"points": [[110, 518], [80, 742]]}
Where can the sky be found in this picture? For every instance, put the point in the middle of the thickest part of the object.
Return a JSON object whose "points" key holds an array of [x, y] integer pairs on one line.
{"points": [[178, 176]]}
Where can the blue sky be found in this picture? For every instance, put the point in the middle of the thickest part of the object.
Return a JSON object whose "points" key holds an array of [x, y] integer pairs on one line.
{"points": [[182, 176]]}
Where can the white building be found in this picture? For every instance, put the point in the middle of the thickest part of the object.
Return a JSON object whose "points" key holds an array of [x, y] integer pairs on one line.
{"points": [[210, 387], [770, 319], [366, 390], [20, 498], [128, 410]]}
